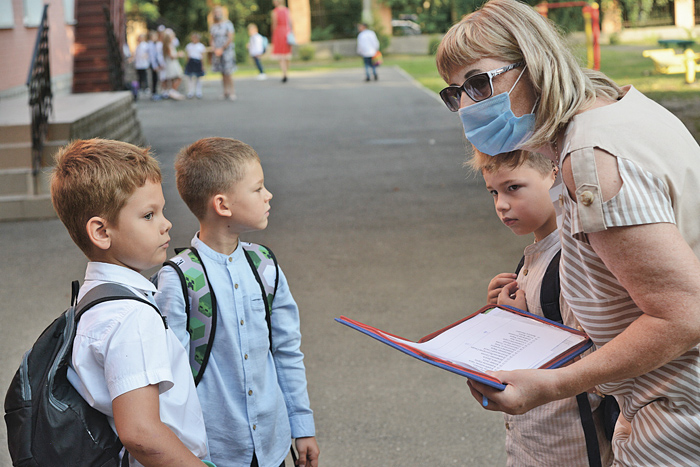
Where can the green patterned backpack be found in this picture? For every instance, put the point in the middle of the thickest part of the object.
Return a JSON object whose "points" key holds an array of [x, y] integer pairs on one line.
{"points": [[200, 301]]}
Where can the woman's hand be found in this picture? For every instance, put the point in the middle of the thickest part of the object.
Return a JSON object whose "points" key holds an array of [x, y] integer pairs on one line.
{"points": [[525, 390]]}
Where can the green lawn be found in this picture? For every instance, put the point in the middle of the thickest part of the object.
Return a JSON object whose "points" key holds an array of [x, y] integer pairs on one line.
{"points": [[623, 64]]}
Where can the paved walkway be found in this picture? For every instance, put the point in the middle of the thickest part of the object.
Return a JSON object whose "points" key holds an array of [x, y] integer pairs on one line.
{"points": [[373, 217]]}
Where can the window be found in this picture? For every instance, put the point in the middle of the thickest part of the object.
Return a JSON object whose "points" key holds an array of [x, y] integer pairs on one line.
{"points": [[7, 15], [69, 11], [33, 9]]}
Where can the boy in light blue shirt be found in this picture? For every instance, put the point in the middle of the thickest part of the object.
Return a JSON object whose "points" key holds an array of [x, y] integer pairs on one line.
{"points": [[253, 394]]}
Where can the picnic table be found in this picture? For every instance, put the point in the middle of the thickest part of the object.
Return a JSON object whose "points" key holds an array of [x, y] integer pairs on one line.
{"points": [[677, 43]]}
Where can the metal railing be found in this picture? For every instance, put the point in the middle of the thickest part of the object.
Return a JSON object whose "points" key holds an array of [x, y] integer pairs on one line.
{"points": [[116, 68], [40, 95]]}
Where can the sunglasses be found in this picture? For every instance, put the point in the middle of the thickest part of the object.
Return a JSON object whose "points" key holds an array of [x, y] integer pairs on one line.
{"points": [[478, 87]]}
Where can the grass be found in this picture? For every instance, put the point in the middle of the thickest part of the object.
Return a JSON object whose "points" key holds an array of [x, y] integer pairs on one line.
{"points": [[624, 64]]}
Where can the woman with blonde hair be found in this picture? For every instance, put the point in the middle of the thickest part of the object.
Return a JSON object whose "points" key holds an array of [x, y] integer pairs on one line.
{"points": [[629, 223]]}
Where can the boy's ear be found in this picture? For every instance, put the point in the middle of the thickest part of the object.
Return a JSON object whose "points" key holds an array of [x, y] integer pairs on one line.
{"points": [[553, 175], [98, 233], [222, 205]]}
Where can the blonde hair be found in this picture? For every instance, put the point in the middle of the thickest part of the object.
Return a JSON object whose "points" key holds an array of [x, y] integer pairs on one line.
{"points": [[513, 31], [96, 177], [480, 162], [208, 167], [168, 48]]}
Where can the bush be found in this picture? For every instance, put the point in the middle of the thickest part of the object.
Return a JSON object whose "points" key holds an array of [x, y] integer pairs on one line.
{"points": [[239, 43], [322, 34], [433, 44], [337, 56], [307, 52]]}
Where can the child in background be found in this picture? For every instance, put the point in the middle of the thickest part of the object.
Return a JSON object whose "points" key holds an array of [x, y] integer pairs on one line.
{"points": [[367, 47], [125, 362], [157, 62], [173, 69], [142, 62], [551, 434], [194, 69], [253, 392], [256, 47]]}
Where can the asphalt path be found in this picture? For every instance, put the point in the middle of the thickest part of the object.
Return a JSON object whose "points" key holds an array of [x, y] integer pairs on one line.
{"points": [[373, 217]]}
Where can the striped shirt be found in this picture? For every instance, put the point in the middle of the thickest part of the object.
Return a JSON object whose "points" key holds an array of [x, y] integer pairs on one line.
{"points": [[551, 434], [660, 409]]}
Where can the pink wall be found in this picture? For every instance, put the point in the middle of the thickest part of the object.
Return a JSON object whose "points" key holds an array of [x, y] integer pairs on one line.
{"points": [[17, 46]]}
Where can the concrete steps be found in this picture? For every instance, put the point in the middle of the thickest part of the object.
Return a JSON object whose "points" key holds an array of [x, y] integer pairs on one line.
{"points": [[108, 115]]}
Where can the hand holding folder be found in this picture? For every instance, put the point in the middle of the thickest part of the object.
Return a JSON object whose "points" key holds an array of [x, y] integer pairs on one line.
{"points": [[494, 338]]}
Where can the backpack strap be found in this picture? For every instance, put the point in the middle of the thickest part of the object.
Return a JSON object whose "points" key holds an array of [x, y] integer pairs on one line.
{"points": [[110, 291], [266, 271], [200, 307], [589, 430], [550, 290]]}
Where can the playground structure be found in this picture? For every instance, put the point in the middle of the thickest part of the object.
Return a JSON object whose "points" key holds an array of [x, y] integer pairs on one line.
{"points": [[667, 62], [591, 18]]}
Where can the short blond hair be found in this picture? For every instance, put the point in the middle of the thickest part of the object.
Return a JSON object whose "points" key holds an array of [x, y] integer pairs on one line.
{"points": [[96, 177], [480, 162], [208, 167], [513, 31]]}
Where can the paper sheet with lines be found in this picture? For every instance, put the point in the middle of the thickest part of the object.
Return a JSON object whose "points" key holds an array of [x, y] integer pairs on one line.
{"points": [[497, 340]]}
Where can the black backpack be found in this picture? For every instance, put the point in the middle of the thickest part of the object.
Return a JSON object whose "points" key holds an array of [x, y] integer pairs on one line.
{"points": [[549, 301], [48, 421]]}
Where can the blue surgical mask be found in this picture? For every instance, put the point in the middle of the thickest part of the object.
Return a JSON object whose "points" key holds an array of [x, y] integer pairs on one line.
{"points": [[492, 127]]}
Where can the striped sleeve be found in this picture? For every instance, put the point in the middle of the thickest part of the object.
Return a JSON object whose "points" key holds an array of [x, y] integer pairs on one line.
{"points": [[643, 199]]}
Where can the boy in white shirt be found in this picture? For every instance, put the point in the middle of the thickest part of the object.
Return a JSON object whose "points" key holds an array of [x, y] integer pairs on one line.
{"points": [[256, 47], [142, 62], [125, 362], [367, 48]]}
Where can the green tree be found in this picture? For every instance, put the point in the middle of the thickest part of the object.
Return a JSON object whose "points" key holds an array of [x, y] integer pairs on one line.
{"points": [[639, 11]]}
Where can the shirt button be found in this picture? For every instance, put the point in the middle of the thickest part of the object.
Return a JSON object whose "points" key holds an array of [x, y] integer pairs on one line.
{"points": [[507, 426], [586, 198], [230, 259], [561, 200], [245, 356], [235, 286], [525, 272], [241, 322], [255, 427], [250, 392]]}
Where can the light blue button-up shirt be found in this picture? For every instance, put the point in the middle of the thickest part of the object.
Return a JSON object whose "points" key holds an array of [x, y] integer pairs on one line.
{"points": [[252, 399]]}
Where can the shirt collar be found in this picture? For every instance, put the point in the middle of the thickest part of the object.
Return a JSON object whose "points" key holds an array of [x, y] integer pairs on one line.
{"points": [[215, 256], [543, 245], [107, 272]]}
